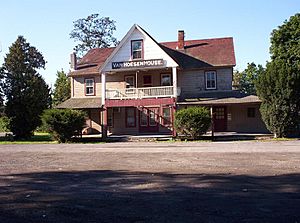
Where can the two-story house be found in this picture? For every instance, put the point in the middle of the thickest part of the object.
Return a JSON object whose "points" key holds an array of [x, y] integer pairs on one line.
{"points": [[136, 87]]}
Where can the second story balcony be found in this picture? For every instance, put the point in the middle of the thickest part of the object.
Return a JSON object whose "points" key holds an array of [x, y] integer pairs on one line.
{"points": [[139, 93]]}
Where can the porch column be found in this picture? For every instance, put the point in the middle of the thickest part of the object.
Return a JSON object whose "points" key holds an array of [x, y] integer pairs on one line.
{"points": [[103, 88], [212, 123], [104, 123], [174, 74]]}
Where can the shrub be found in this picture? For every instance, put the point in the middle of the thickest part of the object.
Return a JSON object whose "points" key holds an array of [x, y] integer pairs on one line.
{"points": [[192, 121], [63, 123], [4, 124]]}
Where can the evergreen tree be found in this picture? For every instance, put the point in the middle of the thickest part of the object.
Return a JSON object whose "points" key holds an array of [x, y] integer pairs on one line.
{"points": [[279, 86], [26, 92], [93, 32], [62, 88]]}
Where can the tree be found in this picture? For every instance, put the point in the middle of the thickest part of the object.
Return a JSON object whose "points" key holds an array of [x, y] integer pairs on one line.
{"points": [[192, 121], [245, 80], [279, 86], [93, 32], [26, 92], [62, 88]]}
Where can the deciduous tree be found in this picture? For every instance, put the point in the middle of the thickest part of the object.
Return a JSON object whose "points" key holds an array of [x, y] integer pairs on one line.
{"points": [[93, 32]]}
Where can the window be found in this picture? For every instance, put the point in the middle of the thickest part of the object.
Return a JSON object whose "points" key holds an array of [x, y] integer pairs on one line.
{"points": [[152, 118], [144, 117], [166, 116], [136, 49], [130, 82], [166, 80], [147, 81], [210, 77], [89, 86], [130, 117], [220, 113], [110, 117], [251, 112]]}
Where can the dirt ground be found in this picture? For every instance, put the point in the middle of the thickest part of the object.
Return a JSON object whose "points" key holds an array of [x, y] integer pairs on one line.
{"points": [[151, 182]]}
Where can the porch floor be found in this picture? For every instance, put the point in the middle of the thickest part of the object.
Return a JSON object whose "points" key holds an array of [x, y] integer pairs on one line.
{"points": [[163, 137]]}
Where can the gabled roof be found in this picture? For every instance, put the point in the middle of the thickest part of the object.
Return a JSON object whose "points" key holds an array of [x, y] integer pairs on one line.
{"points": [[217, 52]]}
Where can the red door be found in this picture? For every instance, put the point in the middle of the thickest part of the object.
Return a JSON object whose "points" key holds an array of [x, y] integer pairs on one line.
{"points": [[220, 119], [148, 120]]}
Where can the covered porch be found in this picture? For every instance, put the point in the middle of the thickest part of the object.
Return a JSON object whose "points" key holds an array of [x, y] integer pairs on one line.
{"points": [[232, 111]]}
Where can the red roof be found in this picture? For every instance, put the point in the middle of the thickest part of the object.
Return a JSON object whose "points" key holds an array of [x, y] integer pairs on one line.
{"points": [[205, 52], [217, 52]]}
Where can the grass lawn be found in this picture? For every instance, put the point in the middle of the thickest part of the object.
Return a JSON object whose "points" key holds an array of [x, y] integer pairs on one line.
{"points": [[37, 138]]}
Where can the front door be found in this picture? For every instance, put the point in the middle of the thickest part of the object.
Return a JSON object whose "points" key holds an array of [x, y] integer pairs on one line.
{"points": [[148, 120], [220, 119]]}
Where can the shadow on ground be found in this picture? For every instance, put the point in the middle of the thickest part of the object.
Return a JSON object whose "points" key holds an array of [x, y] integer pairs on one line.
{"points": [[121, 196]]}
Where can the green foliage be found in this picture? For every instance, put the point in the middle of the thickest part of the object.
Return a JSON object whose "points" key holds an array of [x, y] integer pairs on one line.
{"points": [[93, 32], [192, 121], [4, 124], [245, 80], [64, 123], [62, 88], [279, 86], [26, 92]]}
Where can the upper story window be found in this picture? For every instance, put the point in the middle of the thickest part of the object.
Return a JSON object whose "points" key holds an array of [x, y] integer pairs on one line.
{"points": [[211, 80], [137, 49], [251, 112], [89, 86]]}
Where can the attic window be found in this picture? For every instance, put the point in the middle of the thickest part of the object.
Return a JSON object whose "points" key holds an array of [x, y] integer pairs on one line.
{"points": [[137, 49]]}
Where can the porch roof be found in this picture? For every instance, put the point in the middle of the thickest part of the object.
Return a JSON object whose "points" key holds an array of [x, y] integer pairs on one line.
{"points": [[81, 103], [218, 98]]}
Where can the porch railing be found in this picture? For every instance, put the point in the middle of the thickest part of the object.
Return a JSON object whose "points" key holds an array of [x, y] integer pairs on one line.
{"points": [[147, 92]]}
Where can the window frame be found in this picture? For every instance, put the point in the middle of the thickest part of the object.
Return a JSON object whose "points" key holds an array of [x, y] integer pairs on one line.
{"points": [[151, 80], [142, 49], [85, 86], [129, 76], [126, 116], [161, 78], [251, 112], [206, 79]]}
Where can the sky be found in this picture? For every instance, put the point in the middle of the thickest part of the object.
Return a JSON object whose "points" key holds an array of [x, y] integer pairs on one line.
{"points": [[46, 24]]}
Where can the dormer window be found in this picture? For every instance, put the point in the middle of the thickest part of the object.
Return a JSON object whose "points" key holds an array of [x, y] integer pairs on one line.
{"points": [[137, 49]]}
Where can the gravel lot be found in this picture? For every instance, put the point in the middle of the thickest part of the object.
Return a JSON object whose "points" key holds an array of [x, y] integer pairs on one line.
{"points": [[244, 181]]}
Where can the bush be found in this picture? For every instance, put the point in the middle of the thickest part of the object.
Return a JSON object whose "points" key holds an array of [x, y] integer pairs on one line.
{"points": [[4, 124], [192, 121], [63, 123]]}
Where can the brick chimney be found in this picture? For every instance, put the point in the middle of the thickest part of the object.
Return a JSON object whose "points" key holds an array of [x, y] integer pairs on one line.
{"points": [[180, 43], [73, 61]]}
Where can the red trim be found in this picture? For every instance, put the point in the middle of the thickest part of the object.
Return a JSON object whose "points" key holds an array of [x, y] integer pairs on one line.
{"points": [[126, 113], [142, 53], [94, 93], [205, 84], [139, 102]]}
